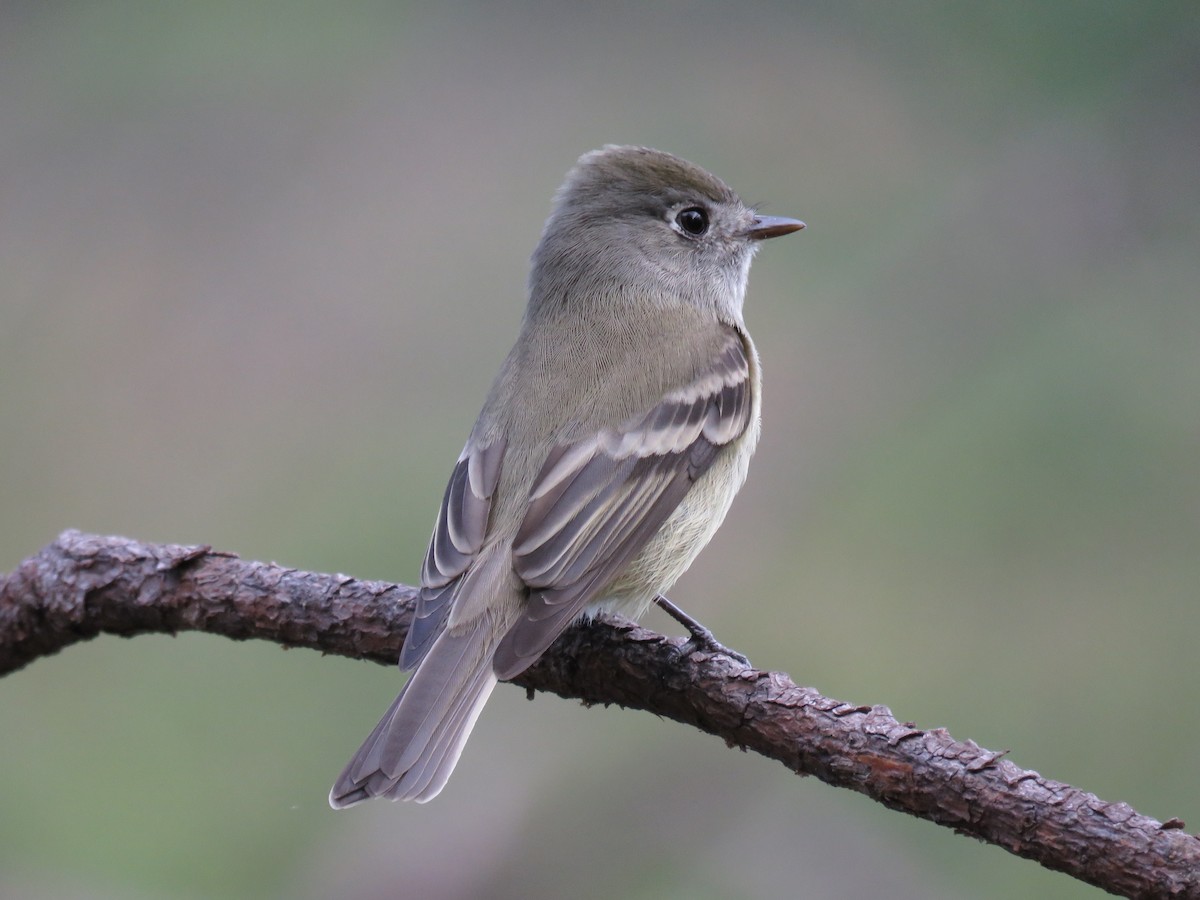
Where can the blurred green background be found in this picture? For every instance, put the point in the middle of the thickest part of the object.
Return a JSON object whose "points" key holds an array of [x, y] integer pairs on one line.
{"points": [[258, 263]]}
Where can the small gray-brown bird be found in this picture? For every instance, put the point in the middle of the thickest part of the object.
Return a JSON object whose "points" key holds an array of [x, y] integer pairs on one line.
{"points": [[607, 453]]}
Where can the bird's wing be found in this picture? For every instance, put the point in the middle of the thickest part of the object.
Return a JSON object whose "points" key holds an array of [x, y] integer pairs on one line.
{"points": [[413, 749], [596, 502], [457, 539]]}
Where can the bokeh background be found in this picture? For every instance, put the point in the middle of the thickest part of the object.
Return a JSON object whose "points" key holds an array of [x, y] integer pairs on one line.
{"points": [[258, 263]]}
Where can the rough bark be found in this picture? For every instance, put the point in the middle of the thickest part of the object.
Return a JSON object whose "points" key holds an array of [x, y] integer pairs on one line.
{"points": [[84, 585]]}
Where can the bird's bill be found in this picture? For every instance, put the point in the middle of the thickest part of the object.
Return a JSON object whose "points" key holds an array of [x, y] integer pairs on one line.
{"points": [[772, 226]]}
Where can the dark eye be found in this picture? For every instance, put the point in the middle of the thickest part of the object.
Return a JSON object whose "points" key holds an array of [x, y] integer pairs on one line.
{"points": [[693, 221]]}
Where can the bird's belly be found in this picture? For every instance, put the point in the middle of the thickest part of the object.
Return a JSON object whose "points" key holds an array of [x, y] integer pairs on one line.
{"points": [[689, 528]]}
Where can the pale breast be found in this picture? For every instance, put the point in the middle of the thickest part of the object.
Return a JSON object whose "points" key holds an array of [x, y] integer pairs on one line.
{"points": [[690, 527]]}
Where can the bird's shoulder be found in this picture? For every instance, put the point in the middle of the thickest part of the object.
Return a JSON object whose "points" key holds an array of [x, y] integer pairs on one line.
{"points": [[562, 384]]}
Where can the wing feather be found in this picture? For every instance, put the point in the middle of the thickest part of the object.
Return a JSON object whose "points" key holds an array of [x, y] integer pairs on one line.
{"points": [[457, 539]]}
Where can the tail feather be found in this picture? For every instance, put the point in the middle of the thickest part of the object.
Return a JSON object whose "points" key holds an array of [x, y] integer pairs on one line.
{"points": [[429, 774], [412, 751]]}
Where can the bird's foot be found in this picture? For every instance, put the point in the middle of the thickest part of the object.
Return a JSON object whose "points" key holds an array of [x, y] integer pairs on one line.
{"points": [[700, 638]]}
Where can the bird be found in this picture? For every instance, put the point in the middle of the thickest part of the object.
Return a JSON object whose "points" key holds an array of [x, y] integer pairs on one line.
{"points": [[607, 453]]}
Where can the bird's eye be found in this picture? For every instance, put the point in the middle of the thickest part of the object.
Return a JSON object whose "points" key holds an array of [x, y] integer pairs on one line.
{"points": [[693, 221]]}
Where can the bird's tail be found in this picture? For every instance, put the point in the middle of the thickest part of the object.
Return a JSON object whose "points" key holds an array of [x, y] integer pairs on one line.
{"points": [[413, 749]]}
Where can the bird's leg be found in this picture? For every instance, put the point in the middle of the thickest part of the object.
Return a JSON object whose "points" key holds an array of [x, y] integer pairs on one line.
{"points": [[701, 638]]}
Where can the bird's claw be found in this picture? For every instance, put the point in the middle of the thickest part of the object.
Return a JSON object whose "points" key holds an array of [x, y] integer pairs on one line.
{"points": [[701, 639]]}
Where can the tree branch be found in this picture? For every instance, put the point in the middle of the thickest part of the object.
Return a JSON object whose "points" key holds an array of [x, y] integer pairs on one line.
{"points": [[83, 585]]}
